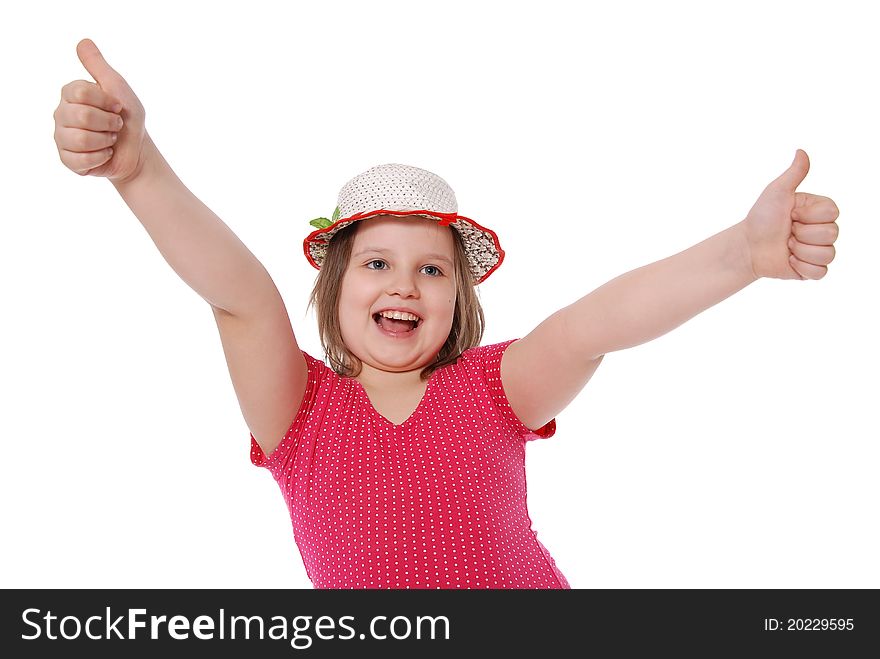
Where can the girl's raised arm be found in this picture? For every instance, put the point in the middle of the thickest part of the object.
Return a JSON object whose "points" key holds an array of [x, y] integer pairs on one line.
{"points": [[786, 235], [100, 131]]}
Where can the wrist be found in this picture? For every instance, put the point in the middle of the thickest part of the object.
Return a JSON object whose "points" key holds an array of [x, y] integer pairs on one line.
{"points": [[148, 165], [742, 252]]}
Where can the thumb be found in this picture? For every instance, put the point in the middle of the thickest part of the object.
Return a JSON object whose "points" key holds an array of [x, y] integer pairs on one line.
{"points": [[796, 173], [95, 63]]}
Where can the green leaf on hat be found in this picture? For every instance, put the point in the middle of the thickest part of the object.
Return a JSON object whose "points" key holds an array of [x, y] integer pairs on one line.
{"points": [[323, 222]]}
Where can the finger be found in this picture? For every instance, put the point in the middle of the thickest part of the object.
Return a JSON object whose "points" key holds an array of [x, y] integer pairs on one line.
{"points": [[95, 63], [81, 163], [807, 270], [813, 254], [87, 117], [815, 234], [796, 172], [814, 208], [84, 92], [82, 141]]}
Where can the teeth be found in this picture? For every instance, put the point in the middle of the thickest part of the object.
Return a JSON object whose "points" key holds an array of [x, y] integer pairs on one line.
{"points": [[399, 315]]}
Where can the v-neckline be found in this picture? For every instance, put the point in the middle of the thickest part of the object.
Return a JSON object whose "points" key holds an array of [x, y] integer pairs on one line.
{"points": [[412, 415]]}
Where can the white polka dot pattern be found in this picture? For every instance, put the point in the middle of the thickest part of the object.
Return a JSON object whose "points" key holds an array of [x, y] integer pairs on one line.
{"points": [[438, 501]]}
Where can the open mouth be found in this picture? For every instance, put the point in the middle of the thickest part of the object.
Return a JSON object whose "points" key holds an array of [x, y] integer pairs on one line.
{"points": [[396, 327]]}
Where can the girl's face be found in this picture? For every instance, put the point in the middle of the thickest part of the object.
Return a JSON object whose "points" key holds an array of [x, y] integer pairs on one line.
{"points": [[398, 263]]}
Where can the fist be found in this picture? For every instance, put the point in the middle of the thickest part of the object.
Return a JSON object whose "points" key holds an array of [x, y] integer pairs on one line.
{"points": [[790, 234], [99, 126]]}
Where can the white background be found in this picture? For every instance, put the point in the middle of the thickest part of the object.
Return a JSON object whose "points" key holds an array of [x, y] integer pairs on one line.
{"points": [[737, 451]]}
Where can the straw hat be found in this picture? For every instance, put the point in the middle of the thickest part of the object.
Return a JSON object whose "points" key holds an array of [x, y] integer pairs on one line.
{"points": [[403, 190]]}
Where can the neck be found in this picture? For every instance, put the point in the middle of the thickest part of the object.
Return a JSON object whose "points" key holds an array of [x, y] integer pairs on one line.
{"points": [[376, 379]]}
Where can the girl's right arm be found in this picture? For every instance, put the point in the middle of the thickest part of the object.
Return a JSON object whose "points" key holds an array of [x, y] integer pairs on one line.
{"points": [[95, 138]]}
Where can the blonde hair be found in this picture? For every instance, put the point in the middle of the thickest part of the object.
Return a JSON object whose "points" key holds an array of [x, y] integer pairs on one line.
{"points": [[468, 321]]}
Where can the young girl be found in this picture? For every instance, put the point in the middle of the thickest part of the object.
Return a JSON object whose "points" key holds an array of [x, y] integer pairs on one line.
{"points": [[403, 462]]}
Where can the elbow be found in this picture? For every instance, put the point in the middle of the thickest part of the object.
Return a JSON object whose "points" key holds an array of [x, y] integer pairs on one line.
{"points": [[597, 359]]}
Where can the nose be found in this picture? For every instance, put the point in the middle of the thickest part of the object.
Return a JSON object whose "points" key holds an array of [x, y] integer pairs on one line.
{"points": [[403, 283]]}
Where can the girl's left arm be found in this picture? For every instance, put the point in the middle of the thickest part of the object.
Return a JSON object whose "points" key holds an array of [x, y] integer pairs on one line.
{"points": [[647, 302], [786, 235]]}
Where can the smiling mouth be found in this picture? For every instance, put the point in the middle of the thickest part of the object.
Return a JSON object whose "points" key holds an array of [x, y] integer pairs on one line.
{"points": [[414, 323]]}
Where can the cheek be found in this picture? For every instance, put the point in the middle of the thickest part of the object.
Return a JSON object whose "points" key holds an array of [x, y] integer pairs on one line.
{"points": [[355, 295], [353, 319], [352, 332], [447, 312]]}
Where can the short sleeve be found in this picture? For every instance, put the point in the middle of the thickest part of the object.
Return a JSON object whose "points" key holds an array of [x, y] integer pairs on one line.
{"points": [[490, 358], [284, 449]]}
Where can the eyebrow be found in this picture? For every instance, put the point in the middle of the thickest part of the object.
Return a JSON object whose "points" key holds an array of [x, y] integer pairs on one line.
{"points": [[380, 250]]}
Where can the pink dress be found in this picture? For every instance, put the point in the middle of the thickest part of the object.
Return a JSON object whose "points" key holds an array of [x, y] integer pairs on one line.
{"points": [[438, 501]]}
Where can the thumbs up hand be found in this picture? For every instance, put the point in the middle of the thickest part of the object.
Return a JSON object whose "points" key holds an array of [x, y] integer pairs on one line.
{"points": [[99, 126], [791, 234]]}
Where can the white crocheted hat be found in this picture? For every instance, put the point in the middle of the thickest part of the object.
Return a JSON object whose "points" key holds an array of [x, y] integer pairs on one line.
{"points": [[403, 190]]}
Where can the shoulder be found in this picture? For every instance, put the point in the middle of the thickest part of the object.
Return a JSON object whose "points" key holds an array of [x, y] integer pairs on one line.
{"points": [[486, 354], [486, 365], [315, 364], [483, 363]]}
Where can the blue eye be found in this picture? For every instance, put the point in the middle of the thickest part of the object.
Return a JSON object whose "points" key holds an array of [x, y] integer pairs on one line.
{"points": [[369, 263]]}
